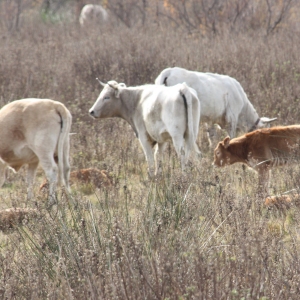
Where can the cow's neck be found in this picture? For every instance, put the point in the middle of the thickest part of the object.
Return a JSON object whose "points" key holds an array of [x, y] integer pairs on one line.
{"points": [[250, 116], [129, 102]]}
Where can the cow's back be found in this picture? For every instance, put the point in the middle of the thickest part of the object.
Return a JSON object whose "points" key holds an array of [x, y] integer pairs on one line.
{"points": [[25, 117], [216, 92]]}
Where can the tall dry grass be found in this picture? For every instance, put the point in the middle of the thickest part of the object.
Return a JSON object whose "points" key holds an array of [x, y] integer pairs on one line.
{"points": [[199, 235]]}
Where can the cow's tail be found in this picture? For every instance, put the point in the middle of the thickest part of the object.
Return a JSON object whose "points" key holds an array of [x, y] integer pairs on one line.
{"points": [[162, 77], [192, 124], [64, 144]]}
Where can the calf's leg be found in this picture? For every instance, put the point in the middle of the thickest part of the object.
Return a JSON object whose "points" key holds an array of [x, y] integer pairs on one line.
{"points": [[264, 175]]}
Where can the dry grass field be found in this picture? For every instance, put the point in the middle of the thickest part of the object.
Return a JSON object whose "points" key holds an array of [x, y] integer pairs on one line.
{"points": [[202, 234]]}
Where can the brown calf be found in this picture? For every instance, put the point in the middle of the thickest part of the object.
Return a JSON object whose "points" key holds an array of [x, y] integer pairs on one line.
{"points": [[12, 217], [261, 150], [278, 201], [96, 177]]}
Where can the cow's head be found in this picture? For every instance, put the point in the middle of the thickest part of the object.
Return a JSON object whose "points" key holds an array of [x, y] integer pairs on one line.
{"points": [[108, 103], [221, 153], [262, 122]]}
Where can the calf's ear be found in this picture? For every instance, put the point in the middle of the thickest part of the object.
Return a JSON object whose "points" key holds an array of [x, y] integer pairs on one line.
{"points": [[226, 142]]}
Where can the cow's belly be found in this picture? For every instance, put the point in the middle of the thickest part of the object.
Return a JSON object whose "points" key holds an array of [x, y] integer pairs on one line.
{"points": [[212, 104], [161, 138], [211, 114], [158, 132], [18, 157]]}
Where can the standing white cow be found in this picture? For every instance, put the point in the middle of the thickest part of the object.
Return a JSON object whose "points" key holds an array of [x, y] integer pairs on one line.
{"points": [[92, 13], [156, 114], [34, 131], [223, 100]]}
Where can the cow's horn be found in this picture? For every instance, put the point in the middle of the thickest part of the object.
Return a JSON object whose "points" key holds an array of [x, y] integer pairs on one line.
{"points": [[266, 121], [103, 84]]}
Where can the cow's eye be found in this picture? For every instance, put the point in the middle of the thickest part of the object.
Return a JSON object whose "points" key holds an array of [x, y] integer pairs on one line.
{"points": [[218, 153], [106, 98]]}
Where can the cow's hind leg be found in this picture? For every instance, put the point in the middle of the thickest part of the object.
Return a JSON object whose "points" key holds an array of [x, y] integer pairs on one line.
{"points": [[66, 165], [158, 155], [182, 152], [30, 178], [45, 150], [148, 150], [51, 171]]}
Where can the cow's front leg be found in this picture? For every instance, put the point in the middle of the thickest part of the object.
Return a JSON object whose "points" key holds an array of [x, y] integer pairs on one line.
{"points": [[231, 126], [30, 177], [148, 150]]}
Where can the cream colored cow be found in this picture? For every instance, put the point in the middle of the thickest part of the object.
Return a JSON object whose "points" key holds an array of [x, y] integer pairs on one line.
{"points": [[34, 131], [92, 13], [157, 114], [223, 100]]}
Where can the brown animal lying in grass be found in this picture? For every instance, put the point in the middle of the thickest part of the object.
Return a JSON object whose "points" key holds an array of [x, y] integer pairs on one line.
{"points": [[97, 178], [282, 200], [12, 217], [261, 150]]}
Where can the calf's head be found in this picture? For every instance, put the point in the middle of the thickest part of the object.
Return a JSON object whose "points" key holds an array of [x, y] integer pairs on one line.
{"points": [[108, 103], [222, 154]]}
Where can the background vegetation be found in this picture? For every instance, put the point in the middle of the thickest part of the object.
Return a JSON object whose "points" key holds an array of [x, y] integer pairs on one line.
{"points": [[203, 234]]}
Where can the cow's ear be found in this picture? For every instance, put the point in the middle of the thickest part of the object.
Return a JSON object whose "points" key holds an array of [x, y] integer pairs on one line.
{"points": [[226, 142], [118, 89], [117, 93]]}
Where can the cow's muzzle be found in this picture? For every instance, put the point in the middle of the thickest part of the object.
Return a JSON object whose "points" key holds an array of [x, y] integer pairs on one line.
{"points": [[92, 113]]}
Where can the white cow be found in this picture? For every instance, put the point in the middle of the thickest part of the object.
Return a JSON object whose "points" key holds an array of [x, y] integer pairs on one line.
{"points": [[34, 131], [223, 100], [156, 114], [91, 13]]}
